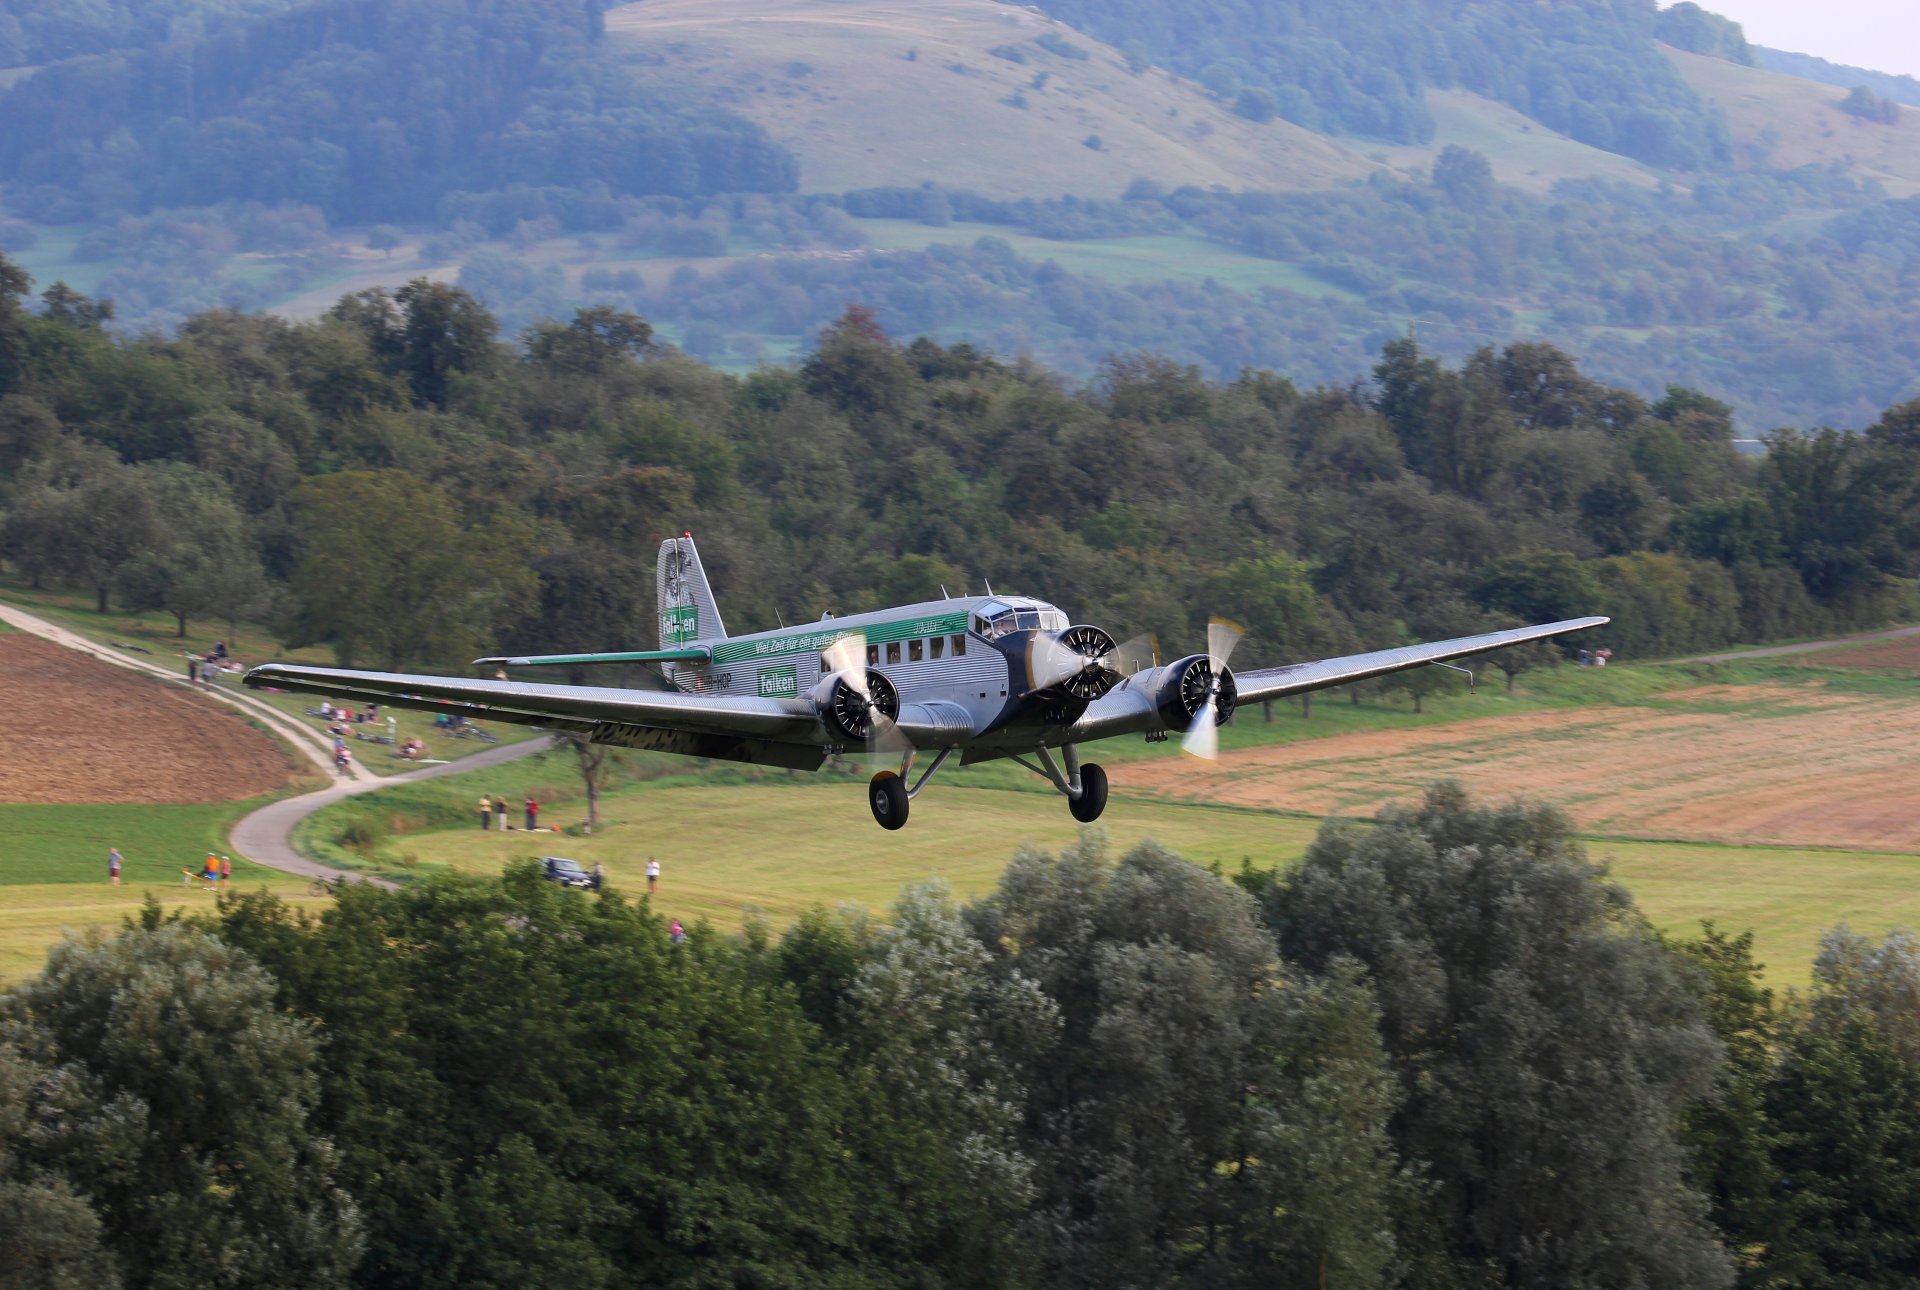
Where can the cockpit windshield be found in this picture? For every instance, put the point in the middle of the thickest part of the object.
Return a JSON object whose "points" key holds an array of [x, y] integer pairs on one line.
{"points": [[995, 619]]}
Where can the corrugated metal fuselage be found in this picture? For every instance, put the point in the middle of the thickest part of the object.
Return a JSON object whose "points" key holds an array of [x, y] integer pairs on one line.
{"points": [[934, 651]]}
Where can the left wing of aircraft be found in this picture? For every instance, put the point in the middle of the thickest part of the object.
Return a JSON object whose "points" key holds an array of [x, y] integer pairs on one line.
{"points": [[1140, 702], [1296, 678]]}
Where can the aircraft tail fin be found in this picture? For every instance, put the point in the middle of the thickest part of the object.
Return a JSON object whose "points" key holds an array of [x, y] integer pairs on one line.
{"points": [[688, 612]]}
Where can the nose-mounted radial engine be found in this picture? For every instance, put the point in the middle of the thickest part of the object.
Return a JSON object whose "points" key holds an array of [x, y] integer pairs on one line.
{"points": [[1082, 663]]}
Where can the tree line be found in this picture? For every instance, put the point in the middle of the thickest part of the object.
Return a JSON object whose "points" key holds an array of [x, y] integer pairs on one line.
{"points": [[1443, 1051], [395, 480]]}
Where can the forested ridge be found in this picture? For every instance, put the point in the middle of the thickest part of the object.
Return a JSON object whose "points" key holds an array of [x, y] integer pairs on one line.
{"points": [[1442, 1051], [399, 481], [238, 153]]}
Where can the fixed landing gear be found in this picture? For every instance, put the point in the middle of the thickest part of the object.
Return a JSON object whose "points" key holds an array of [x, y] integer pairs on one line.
{"points": [[1085, 787], [888, 794], [1086, 808]]}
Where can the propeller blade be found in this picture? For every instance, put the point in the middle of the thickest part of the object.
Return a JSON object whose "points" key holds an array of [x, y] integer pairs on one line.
{"points": [[1136, 655], [1049, 662], [1203, 736], [1222, 635], [846, 658]]}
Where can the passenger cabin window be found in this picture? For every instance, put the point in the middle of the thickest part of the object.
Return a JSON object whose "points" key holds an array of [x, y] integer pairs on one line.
{"points": [[959, 646], [938, 645], [893, 652], [913, 651], [873, 655]]}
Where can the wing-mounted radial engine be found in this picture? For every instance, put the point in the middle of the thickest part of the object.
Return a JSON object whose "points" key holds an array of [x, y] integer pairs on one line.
{"points": [[854, 694], [1199, 693]]}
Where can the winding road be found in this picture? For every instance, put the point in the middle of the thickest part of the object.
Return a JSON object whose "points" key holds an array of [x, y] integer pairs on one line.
{"points": [[265, 836]]}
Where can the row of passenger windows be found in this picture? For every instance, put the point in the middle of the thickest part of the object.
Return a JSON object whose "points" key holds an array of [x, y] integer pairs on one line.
{"points": [[916, 650]]}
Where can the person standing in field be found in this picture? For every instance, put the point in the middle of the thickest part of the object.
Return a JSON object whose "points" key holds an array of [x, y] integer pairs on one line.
{"points": [[533, 814], [486, 811], [500, 812], [226, 869], [653, 874], [113, 865]]}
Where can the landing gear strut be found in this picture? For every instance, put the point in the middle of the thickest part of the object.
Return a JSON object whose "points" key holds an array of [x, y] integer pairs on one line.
{"points": [[888, 794], [1085, 787]]}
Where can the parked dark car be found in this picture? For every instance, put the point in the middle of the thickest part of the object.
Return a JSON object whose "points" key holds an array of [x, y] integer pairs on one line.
{"points": [[567, 873]]}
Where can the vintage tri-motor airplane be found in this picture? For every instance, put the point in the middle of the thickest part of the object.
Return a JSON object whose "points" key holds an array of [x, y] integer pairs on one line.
{"points": [[984, 676]]}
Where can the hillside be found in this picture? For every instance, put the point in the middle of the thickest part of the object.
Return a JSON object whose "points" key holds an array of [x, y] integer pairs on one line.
{"points": [[1780, 121], [1523, 153], [893, 93]]}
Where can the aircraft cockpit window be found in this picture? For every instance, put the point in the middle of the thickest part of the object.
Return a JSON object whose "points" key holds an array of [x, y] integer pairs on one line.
{"points": [[1000, 624], [1053, 620], [1029, 620]]}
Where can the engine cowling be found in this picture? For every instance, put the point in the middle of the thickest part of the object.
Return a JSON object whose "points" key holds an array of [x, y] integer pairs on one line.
{"points": [[850, 713], [1186, 688]]}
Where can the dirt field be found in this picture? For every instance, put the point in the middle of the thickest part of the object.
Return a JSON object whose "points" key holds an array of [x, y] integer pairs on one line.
{"points": [[1776, 765], [1900, 655], [81, 731]]}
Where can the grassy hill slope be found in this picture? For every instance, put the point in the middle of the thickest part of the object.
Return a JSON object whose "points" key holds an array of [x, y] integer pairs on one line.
{"points": [[1523, 153], [1784, 121], [885, 94]]}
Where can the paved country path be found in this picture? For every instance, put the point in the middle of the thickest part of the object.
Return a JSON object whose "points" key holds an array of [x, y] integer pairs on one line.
{"points": [[1804, 647], [265, 836]]}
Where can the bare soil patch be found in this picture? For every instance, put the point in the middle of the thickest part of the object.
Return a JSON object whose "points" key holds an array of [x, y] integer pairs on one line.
{"points": [[1901, 654], [83, 731], [1773, 765]]}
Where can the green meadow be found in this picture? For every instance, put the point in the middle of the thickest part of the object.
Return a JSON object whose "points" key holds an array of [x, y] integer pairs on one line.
{"points": [[53, 868]]}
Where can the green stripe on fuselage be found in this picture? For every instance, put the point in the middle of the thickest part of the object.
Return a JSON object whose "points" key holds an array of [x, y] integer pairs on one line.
{"points": [[819, 636]]}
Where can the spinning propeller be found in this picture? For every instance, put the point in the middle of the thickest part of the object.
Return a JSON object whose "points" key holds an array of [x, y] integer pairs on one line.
{"points": [[1203, 736], [1084, 662], [862, 704]]}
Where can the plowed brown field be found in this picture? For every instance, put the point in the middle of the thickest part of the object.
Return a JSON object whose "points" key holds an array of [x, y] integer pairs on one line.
{"points": [[1751, 764], [1899, 655], [82, 731]]}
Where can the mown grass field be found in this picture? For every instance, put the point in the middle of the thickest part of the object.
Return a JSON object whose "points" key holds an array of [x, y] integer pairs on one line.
{"points": [[53, 869], [736, 842]]}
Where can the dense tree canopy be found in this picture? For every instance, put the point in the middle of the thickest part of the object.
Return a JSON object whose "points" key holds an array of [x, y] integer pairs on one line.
{"points": [[394, 479]]}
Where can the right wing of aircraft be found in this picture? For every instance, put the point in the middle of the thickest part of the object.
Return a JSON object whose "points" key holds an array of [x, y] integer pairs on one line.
{"points": [[783, 732]]}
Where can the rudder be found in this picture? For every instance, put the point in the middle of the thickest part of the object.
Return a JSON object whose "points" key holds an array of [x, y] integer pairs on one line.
{"points": [[688, 611]]}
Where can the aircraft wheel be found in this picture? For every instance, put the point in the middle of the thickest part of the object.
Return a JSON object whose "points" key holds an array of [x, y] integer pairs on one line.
{"points": [[1093, 794], [887, 795]]}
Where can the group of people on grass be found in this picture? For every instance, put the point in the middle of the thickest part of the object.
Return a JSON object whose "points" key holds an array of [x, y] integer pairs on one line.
{"points": [[493, 813]]}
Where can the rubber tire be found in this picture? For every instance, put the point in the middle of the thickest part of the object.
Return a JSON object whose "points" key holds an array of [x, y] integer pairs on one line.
{"points": [[887, 795], [1086, 808]]}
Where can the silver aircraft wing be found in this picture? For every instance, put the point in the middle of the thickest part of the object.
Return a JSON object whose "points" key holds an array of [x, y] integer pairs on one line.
{"points": [[1296, 678], [1133, 706], [585, 709]]}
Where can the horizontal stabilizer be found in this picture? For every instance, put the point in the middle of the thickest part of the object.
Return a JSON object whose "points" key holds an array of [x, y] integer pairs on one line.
{"points": [[690, 654]]}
